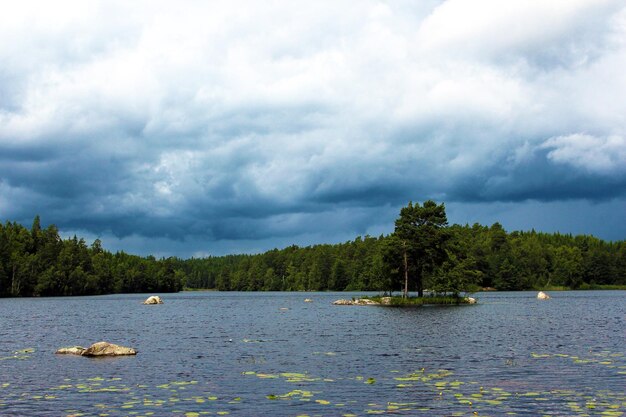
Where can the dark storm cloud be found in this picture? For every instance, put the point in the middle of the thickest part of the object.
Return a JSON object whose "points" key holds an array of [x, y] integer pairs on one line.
{"points": [[202, 129], [537, 179]]}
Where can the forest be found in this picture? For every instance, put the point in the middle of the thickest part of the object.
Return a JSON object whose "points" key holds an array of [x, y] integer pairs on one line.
{"points": [[470, 258], [423, 253], [37, 262]]}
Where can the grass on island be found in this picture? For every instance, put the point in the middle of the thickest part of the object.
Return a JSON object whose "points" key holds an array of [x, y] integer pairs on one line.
{"points": [[399, 301]]}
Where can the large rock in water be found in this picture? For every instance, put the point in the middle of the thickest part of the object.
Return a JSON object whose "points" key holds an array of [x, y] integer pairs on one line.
{"points": [[154, 299], [543, 296], [97, 349], [108, 349]]}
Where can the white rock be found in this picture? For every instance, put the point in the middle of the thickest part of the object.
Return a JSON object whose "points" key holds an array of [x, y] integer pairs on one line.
{"points": [[543, 296], [154, 299], [357, 302], [343, 303]]}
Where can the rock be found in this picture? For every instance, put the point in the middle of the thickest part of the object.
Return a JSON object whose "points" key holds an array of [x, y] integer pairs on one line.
{"points": [[74, 350], [385, 301], [343, 303], [357, 302], [154, 299], [470, 300], [97, 349], [543, 296], [365, 302], [107, 349], [308, 300]]}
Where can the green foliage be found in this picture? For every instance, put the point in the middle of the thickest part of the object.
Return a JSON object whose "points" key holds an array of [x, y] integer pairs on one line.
{"points": [[467, 258], [39, 263], [420, 236], [449, 260]]}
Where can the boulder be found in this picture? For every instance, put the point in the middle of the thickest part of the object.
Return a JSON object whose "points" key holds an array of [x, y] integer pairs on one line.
{"points": [[154, 299], [308, 300], [357, 302], [107, 349], [543, 296], [74, 350], [97, 349], [343, 303], [470, 300], [365, 302]]}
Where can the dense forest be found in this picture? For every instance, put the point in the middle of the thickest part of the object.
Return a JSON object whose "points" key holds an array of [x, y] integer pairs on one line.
{"points": [[423, 252], [479, 256], [37, 262]]}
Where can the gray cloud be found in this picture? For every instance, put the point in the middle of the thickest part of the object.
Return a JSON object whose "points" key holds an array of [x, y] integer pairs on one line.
{"points": [[238, 128]]}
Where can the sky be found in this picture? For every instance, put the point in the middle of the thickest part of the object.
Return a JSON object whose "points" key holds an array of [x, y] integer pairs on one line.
{"points": [[196, 128]]}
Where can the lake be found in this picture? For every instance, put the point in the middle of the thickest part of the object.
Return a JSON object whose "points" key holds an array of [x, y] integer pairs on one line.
{"points": [[272, 354]]}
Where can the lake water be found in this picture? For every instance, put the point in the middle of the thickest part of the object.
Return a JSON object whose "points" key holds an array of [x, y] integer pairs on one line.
{"points": [[272, 354]]}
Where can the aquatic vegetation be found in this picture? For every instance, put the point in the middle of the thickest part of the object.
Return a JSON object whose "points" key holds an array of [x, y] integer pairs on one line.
{"points": [[21, 354], [420, 392], [604, 358]]}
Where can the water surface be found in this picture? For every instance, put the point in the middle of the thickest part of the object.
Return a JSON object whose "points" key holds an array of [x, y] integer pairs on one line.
{"points": [[272, 354]]}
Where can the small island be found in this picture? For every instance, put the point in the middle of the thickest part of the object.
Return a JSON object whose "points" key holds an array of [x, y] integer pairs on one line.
{"points": [[401, 301]]}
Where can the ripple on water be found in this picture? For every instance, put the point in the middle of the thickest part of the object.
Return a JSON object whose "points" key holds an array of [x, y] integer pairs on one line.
{"points": [[238, 353]]}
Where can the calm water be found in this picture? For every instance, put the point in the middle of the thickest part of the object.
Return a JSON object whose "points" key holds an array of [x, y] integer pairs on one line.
{"points": [[272, 354]]}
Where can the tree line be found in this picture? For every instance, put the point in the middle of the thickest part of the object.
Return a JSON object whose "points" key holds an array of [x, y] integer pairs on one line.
{"points": [[37, 262], [423, 253]]}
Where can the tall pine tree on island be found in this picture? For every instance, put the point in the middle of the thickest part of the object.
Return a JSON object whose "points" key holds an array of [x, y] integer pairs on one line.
{"points": [[421, 234]]}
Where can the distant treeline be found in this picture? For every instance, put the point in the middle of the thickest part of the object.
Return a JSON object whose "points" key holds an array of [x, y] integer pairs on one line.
{"points": [[493, 258], [39, 263]]}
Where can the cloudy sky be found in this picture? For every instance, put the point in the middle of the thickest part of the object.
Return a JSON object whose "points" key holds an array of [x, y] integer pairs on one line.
{"points": [[202, 127]]}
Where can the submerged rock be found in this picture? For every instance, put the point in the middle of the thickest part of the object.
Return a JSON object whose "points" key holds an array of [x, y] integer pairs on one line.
{"points": [[74, 350], [154, 299], [97, 349], [543, 296]]}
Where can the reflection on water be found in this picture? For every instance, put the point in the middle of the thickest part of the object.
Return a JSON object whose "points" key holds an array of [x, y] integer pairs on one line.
{"points": [[273, 354]]}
